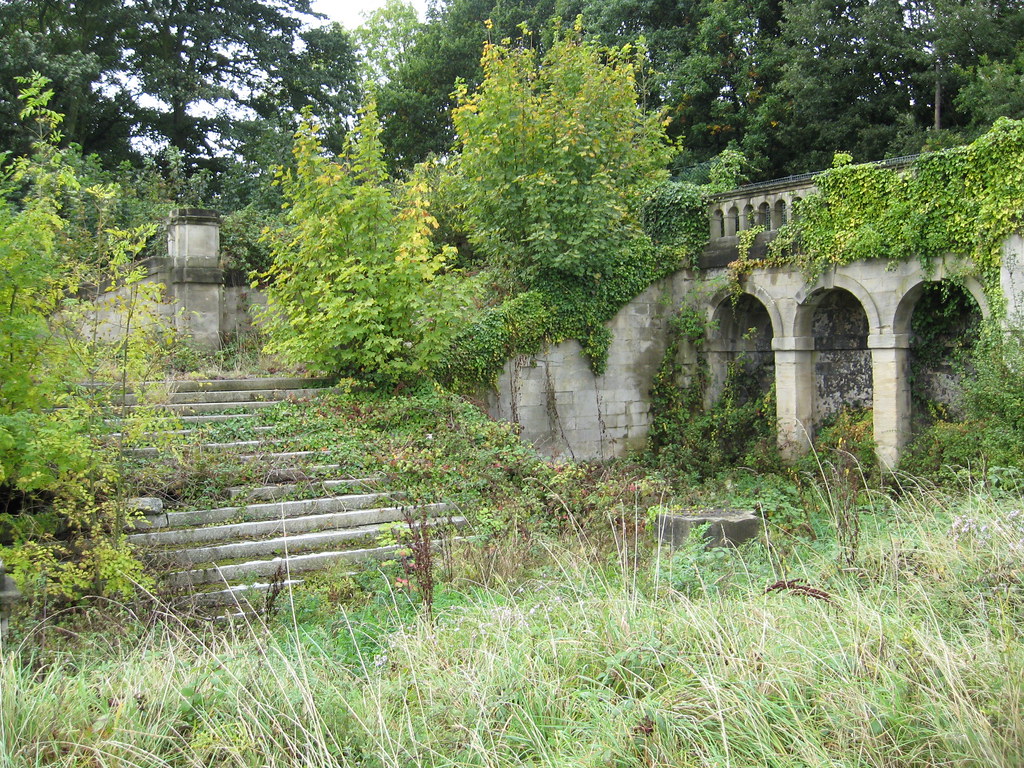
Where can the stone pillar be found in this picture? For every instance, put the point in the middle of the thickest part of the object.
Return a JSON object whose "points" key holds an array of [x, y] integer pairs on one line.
{"points": [[9, 595], [891, 395], [1011, 278], [794, 393], [197, 280]]}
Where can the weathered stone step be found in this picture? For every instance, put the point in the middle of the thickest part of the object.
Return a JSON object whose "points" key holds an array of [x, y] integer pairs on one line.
{"points": [[279, 546], [265, 569], [178, 537], [226, 399], [293, 564], [153, 451], [232, 396], [267, 382], [269, 511], [202, 409], [195, 420], [182, 433], [214, 418], [300, 474], [248, 597], [277, 491]]}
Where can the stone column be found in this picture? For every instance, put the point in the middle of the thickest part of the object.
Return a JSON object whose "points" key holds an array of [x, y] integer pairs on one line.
{"points": [[197, 280], [891, 395], [794, 393], [9, 595]]}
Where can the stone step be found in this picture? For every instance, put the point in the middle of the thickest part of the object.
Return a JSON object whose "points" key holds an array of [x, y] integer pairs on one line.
{"points": [[213, 418], [247, 597], [230, 396], [150, 436], [307, 474], [178, 537], [195, 420], [218, 385], [281, 546], [265, 569], [204, 409], [293, 564], [153, 451], [277, 491], [230, 385], [254, 512]]}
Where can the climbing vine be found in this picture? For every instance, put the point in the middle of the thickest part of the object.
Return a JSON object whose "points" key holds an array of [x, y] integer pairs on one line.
{"points": [[739, 428], [963, 201]]}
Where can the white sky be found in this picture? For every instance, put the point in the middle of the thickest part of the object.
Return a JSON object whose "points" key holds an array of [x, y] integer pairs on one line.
{"points": [[348, 11]]}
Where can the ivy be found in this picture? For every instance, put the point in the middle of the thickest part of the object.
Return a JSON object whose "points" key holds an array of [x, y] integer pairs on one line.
{"points": [[674, 217], [737, 429], [964, 201]]}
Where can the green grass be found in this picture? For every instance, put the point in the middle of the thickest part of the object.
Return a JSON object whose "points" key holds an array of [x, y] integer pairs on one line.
{"points": [[577, 652]]}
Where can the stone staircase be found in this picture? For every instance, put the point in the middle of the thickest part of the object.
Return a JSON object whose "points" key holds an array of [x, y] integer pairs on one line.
{"points": [[306, 513]]}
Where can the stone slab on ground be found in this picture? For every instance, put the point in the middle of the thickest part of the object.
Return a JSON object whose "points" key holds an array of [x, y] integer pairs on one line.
{"points": [[721, 527]]}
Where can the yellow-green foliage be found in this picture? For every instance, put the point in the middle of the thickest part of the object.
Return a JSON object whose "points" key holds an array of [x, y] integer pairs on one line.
{"points": [[63, 523], [556, 155], [962, 201], [356, 287]]}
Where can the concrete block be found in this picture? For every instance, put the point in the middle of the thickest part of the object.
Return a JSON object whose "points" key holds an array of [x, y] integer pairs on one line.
{"points": [[720, 527]]}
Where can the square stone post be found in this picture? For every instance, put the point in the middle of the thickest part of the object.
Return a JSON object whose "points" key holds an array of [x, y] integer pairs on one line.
{"points": [[794, 394], [197, 280], [891, 395]]}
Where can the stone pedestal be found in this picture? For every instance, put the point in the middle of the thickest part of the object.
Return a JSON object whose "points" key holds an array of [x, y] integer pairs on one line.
{"points": [[196, 278]]}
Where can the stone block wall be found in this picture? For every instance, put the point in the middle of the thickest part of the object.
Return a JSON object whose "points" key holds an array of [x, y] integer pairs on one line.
{"points": [[566, 410]]}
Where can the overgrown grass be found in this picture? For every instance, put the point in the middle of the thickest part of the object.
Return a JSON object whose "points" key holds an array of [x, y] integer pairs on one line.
{"points": [[909, 655]]}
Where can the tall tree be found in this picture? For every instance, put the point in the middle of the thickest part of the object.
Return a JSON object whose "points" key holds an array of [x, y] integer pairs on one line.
{"points": [[415, 104], [77, 47], [385, 38], [201, 60]]}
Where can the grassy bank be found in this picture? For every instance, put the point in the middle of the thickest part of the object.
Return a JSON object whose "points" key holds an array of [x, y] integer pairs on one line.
{"points": [[900, 648]]}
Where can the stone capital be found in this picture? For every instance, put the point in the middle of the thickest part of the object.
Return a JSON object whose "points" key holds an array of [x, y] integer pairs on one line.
{"points": [[793, 343], [889, 341]]}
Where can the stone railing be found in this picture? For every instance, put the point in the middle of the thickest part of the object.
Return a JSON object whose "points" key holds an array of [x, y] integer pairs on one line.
{"points": [[765, 204]]}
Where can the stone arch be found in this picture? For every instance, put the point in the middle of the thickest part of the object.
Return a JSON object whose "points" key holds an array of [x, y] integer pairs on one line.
{"points": [[940, 319], [837, 322], [748, 216], [740, 344], [808, 301], [717, 224], [764, 215], [749, 286], [905, 307], [780, 213], [732, 222]]}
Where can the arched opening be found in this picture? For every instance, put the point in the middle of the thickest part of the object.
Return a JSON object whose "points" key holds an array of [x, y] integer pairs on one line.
{"points": [[732, 222], [780, 213], [842, 360], [764, 216], [944, 326], [740, 358], [717, 224], [748, 216], [795, 207]]}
